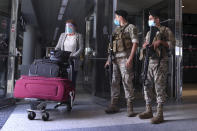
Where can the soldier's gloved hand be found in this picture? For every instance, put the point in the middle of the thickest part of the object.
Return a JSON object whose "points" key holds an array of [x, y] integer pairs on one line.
{"points": [[156, 44]]}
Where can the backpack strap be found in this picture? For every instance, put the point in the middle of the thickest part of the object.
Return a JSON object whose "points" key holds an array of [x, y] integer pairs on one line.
{"points": [[122, 31]]}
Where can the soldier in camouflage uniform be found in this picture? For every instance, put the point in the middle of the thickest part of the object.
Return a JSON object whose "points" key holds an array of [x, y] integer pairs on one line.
{"points": [[157, 75], [125, 42]]}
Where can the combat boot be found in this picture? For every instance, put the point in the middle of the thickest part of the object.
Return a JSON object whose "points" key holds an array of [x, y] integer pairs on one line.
{"points": [[159, 116], [113, 107], [130, 109], [146, 114]]}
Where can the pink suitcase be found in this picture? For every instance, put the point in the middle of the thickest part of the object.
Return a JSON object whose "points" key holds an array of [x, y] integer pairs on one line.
{"points": [[53, 89], [47, 89]]}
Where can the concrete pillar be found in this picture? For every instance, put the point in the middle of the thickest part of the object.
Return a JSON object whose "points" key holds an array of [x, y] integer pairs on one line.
{"points": [[29, 44], [12, 48]]}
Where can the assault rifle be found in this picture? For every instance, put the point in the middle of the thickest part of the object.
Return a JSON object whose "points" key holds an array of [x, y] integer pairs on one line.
{"points": [[111, 58], [149, 51]]}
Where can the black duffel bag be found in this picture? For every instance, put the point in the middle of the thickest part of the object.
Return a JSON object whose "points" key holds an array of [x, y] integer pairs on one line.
{"points": [[60, 56], [48, 68]]}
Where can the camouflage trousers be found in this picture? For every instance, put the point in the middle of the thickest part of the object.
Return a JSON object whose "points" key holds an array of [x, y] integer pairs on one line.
{"points": [[121, 72], [156, 82]]}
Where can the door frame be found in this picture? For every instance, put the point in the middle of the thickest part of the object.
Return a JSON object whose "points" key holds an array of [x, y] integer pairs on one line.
{"points": [[178, 50]]}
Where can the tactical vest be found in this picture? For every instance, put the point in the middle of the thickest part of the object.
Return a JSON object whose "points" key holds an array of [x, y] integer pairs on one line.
{"points": [[161, 51], [121, 40]]}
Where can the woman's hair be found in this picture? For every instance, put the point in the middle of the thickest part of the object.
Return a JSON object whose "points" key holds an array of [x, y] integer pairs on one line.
{"points": [[72, 22]]}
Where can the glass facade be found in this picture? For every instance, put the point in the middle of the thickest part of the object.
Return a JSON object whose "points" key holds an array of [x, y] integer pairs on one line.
{"points": [[4, 42]]}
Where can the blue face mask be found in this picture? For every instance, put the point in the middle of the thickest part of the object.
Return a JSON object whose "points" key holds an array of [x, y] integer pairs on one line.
{"points": [[116, 22], [69, 30], [151, 23]]}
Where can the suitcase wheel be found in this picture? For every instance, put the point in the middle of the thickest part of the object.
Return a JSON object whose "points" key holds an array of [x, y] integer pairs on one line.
{"points": [[31, 115], [45, 116]]}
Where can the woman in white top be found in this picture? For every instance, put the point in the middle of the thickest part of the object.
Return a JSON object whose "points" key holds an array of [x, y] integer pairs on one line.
{"points": [[71, 41]]}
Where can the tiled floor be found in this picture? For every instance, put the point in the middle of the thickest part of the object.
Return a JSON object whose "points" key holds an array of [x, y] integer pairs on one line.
{"points": [[4, 114], [89, 116], [86, 115]]}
